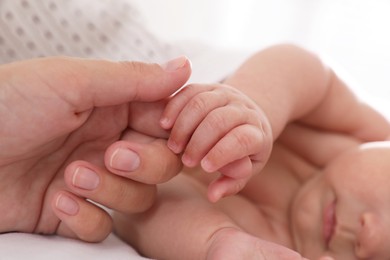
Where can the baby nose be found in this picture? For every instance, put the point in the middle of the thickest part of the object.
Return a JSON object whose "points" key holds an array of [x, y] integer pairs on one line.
{"points": [[370, 239]]}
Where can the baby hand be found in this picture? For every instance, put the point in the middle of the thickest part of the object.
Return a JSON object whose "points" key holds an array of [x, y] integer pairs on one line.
{"points": [[221, 129]]}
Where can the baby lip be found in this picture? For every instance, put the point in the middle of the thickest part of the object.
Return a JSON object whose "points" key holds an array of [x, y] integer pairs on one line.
{"points": [[329, 222]]}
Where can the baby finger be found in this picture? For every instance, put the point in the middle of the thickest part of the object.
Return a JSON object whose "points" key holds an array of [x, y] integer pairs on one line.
{"points": [[191, 116], [213, 127], [178, 102], [224, 186], [244, 140]]}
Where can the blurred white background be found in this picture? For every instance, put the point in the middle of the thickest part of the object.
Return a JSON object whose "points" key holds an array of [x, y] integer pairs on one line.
{"points": [[353, 35]]}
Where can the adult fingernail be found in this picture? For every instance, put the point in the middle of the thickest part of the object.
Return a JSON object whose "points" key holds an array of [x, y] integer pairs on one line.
{"points": [[85, 178], [125, 160], [67, 205], [175, 64]]}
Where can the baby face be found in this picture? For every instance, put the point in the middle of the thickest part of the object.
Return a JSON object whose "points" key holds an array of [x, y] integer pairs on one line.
{"points": [[344, 212]]}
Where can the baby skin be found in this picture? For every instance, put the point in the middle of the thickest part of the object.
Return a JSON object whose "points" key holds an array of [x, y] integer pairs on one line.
{"points": [[282, 161]]}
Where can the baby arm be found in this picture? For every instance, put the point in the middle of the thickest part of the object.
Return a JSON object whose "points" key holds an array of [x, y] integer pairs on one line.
{"points": [[223, 130], [292, 84]]}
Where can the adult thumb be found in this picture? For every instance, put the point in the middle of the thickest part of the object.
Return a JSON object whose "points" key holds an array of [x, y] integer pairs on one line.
{"points": [[116, 83], [86, 83]]}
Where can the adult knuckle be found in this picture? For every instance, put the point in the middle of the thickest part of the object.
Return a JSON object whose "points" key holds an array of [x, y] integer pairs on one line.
{"points": [[142, 199], [164, 172], [136, 67], [124, 190], [139, 70], [158, 171], [66, 76], [162, 164]]}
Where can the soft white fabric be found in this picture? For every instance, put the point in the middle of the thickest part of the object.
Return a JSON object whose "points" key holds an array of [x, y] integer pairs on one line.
{"points": [[81, 28], [27, 246]]}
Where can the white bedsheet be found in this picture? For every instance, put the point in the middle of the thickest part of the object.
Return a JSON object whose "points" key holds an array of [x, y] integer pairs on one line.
{"points": [[28, 246]]}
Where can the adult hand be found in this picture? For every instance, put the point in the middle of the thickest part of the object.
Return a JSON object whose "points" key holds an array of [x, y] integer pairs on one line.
{"points": [[66, 116]]}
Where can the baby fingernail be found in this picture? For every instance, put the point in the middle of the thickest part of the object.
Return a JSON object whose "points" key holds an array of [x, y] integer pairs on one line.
{"points": [[173, 146], [67, 205], [85, 178], [187, 161], [165, 123], [125, 160], [207, 165]]}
